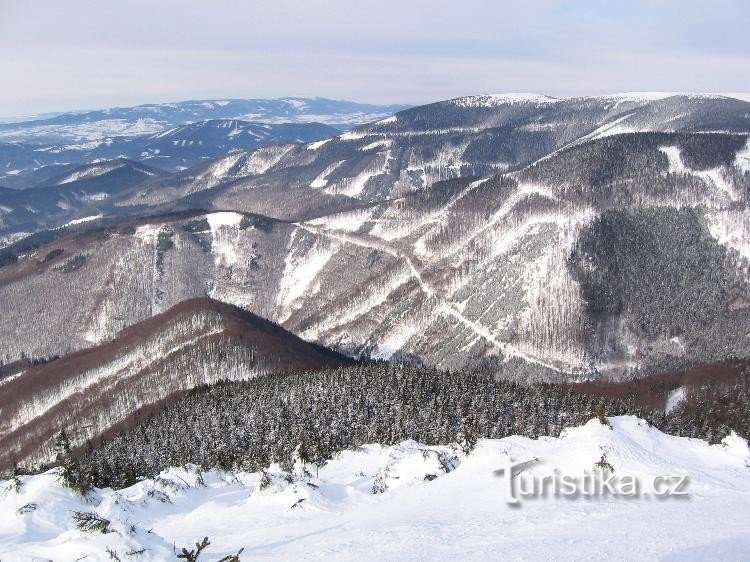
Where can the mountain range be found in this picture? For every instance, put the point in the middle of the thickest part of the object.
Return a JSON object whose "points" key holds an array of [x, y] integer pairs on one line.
{"points": [[171, 136], [539, 238]]}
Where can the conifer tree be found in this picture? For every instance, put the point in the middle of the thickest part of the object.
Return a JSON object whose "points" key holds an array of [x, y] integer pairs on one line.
{"points": [[71, 475]]}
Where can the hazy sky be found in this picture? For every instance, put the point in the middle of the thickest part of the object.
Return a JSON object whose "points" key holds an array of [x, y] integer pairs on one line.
{"points": [[72, 54]]}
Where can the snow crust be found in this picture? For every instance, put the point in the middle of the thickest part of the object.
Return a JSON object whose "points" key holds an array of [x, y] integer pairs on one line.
{"points": [[433, 502]]}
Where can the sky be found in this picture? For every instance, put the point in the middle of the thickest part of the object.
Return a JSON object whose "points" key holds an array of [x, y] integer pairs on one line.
{"points": [[77, 54]]}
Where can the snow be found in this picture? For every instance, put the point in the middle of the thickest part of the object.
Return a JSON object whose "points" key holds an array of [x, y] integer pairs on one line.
{"points": [[395, 340], [742, 158], [674, 399], [224, 235], [346, 221], [352, 135], [676, 166], [713, 176], [301, 268], [322, 179], [298, 104], [612, 128], [732, 229], [82, 220], [496, 100], [221, 167], [382, 143], [353, 186], [387, 121], [436, 503], [92, 131], [317, 144], [90, 171], [744, 96], [643, 96]]}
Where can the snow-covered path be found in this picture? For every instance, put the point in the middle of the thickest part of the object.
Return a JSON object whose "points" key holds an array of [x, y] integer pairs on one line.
{"points": [[436, 503], [445, 307]]}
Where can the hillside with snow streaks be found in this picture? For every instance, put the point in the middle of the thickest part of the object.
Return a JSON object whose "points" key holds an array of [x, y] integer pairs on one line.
{"points": [[109, 386], [504, 230], [370, 503]]}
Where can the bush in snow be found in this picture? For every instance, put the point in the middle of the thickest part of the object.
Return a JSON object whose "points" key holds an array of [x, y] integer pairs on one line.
{"points": [[193, 554], [604, 464], [601, 414], [90, 522]]}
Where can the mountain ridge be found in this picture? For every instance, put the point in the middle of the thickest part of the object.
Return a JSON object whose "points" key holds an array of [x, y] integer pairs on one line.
{"points": [[458, 236], [99, 390]]}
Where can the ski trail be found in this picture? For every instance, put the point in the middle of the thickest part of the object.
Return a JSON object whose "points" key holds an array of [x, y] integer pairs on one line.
{"points": [[368, 242], [445, 307], [507, 349]]}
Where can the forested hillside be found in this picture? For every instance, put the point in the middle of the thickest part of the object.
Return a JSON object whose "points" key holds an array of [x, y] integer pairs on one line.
{"points": [[248, 425]]}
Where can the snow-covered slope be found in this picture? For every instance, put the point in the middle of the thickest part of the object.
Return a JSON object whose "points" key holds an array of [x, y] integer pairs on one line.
{"points": [[411, 502], [464, 233], [199, 341]]}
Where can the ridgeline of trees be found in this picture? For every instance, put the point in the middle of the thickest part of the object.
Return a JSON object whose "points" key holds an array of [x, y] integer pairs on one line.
{"points": [[247, 425]]}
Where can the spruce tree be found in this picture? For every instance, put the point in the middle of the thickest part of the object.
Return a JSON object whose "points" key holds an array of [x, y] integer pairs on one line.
{"points": [[71, 475]]}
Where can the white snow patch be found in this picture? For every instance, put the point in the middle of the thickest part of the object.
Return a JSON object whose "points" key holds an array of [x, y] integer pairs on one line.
{"points": [[322, 179], [301, 268], [347, 221], [395, 340], [82, 220], [90, 171], [382, 143], [317, 144], [387, 120], [676, 166], [224, 233], [731, 228], [674, 398], [353, 135], [713, 176], [610, 129]]}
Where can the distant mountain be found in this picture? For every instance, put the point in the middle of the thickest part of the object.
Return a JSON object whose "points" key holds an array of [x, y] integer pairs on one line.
{"points": [[197, 342], [29, 165], [77, 191], [91, 126], [188, 145]]}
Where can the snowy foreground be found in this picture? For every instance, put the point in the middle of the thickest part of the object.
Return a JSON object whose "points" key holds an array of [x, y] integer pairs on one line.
{"points": [[435, 503]]}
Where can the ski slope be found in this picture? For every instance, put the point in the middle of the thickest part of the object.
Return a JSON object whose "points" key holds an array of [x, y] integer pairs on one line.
{"points": [[433, 503]]}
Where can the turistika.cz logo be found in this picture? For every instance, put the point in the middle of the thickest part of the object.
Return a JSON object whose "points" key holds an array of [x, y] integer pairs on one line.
{"points": [[520, 484]]}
